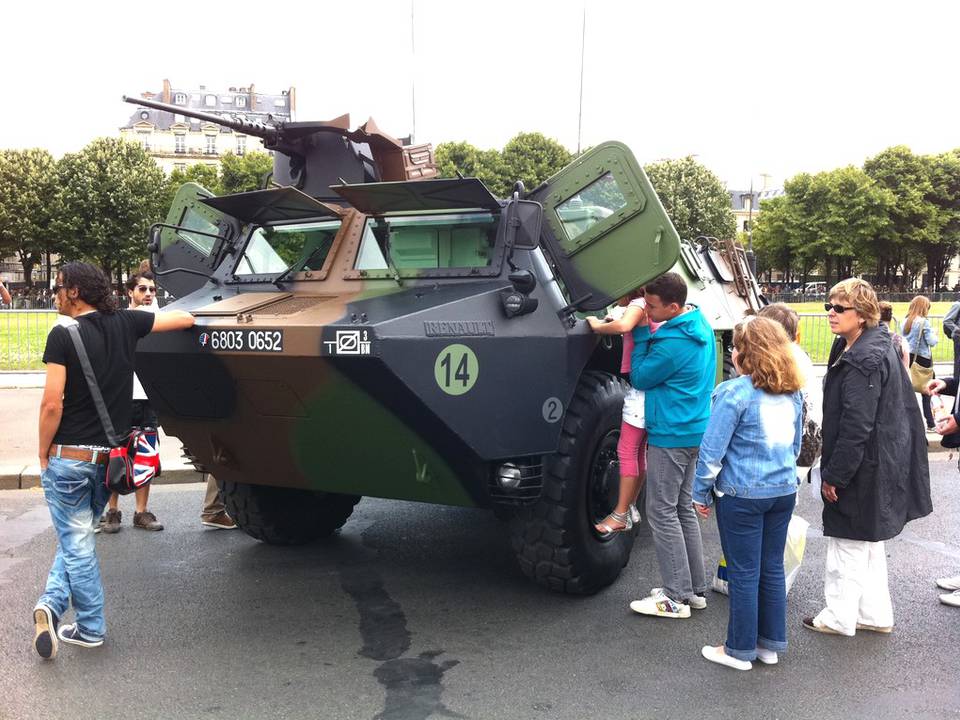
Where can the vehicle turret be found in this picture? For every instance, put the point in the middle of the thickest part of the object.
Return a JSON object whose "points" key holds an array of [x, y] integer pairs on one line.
{"points": [[311, 156]]}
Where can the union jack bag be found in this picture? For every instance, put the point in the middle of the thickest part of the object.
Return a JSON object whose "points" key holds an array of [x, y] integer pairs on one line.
{"points": [[134, 459]]}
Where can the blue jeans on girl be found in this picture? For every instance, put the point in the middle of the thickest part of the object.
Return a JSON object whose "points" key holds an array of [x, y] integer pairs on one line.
{"points": [[753, 533], [76, 496]]}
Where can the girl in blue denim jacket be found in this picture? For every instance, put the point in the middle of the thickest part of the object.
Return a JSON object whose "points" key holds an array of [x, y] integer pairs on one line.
{"points": [[748, 461]]}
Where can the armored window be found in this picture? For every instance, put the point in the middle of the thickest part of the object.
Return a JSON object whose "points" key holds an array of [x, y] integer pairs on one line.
{"points": [[599, 200], [415, 245], [273, 249], [192, 220]]}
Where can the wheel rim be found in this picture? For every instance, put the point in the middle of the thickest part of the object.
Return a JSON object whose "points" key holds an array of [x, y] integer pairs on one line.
{"points": [[603, 484]]}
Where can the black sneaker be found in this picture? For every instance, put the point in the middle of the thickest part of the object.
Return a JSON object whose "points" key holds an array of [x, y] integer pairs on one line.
{"points": [[45, 632], [71, 634]]}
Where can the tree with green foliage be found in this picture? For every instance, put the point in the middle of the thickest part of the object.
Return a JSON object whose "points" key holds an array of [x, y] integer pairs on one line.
{"points": [[28, 186], [831, 219], [242, 173], [694, 198], [109, 194], [470, 161], [532, 158], [945, 197], [913, 217], [207, 176]]}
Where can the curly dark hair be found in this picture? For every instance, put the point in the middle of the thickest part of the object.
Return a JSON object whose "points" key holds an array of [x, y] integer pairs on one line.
{"points": [[92, 284]]}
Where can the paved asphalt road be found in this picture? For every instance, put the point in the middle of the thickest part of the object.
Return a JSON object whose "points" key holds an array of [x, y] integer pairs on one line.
{"points": [[416, 611]]}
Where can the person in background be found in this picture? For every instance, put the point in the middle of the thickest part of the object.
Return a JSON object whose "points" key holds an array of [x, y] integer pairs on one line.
{"points": [[874, 472], [789, 320], [950, 321], [950, 425], [631, 447], [748, 460], [900, 344], [921, 337], [142, 292], [5, 294], [74, 448], [677, 369]]}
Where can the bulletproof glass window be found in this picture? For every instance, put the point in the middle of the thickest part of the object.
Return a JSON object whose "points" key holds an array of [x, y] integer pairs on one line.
{"points": [[192, 220], [273, 249], [599, 200], [428, 242]]}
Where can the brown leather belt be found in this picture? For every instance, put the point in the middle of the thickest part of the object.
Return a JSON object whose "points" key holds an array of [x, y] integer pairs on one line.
{"points": [[71, 452]]}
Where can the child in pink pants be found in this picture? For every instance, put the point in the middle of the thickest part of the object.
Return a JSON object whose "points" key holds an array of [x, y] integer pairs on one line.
{"points": [[632, 447]]}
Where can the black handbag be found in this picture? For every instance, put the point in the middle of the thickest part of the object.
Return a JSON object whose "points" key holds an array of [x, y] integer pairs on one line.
{"points": [[121, 477], [811, 442]]}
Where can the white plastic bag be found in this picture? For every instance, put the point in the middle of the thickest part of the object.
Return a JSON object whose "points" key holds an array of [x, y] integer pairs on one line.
{"points": [[792, 556]]}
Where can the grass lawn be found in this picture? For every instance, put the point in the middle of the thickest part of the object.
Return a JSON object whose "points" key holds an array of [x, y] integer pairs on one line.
{"points": [[816, 338], [22, 339]]}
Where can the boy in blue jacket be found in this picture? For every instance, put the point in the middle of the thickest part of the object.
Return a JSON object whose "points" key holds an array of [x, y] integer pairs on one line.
{"points": [[677, 369]]}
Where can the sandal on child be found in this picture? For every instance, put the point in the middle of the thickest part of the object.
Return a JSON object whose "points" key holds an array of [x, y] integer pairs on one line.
{"points": [[624, 520]]}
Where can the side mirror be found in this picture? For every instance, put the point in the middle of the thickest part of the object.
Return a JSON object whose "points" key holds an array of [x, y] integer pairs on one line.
{"points": [[528, 216]]}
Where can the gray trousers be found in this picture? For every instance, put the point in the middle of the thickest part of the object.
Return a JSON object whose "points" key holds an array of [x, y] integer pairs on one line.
{"points": [[673, 522]]}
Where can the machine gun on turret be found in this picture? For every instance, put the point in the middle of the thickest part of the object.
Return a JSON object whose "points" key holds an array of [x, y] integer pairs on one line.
{"points": [[311, 156]]}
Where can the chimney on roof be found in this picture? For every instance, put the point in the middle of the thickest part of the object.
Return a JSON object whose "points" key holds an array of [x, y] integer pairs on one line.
{"points": [[166, 91], [252, 102]]}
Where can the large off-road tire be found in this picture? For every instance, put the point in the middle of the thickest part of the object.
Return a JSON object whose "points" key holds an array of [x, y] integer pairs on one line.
{"points": [[554, 540], [285, 516]]}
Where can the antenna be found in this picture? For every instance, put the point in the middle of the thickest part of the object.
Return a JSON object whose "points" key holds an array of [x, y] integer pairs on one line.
{"points": [[413, 78], [583, 42]]}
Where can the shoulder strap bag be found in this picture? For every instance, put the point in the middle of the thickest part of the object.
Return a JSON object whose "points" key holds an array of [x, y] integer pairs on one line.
{"points": [[121, 475], [919, 375]]}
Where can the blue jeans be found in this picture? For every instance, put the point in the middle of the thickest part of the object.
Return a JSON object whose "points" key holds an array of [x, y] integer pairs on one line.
{"points": [[753, 533], [76, 495]]}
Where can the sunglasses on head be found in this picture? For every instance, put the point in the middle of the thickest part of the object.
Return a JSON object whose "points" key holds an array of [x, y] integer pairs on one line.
{"points": [[836, 308], [147, 288]]}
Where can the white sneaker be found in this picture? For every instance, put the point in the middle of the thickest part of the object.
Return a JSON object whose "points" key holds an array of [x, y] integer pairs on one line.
{"points": [[952, 598], [949, 583], [718, 656], [661, 606], [767, 657], [697, 602]]}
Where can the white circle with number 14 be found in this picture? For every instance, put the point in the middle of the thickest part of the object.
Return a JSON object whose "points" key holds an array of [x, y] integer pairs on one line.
{"points": [[456, 369]]}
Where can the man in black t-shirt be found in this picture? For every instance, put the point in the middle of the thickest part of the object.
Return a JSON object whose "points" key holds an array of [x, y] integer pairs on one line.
{"points": [[73, 445]]}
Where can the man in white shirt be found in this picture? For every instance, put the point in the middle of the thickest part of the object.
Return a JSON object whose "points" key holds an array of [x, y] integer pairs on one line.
{"points": [[142, 291]]}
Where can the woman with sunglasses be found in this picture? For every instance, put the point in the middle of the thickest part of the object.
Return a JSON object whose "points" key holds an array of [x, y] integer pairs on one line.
{"points": [[874, 471]]}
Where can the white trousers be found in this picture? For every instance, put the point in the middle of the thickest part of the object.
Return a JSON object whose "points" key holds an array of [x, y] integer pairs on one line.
{"points": [[855, 586]]}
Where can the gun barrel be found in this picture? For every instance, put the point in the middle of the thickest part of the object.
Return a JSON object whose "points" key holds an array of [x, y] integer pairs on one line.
{"points": [[248, 127]]}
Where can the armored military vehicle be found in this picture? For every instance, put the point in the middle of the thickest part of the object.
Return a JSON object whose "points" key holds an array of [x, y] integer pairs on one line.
{"points": [[366, 329]]}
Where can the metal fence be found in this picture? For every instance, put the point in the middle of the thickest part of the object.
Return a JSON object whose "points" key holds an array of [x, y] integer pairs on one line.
{"points": [[793, 298], [23, 335], [816, 338]]}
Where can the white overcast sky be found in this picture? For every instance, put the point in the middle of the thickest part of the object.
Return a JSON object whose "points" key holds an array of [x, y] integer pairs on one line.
{"points": [[748, 87]]}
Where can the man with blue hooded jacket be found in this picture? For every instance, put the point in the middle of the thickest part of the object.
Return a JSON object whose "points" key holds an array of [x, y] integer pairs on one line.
{"points": [[676, 368]]}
